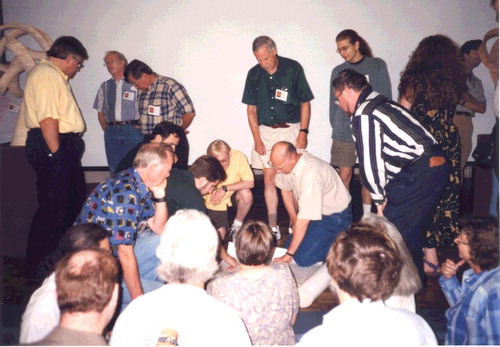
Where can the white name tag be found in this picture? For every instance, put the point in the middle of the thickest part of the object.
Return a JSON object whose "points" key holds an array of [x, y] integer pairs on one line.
{"points": [[154, 110], [281, 94], [13, 108], [128, 95]]}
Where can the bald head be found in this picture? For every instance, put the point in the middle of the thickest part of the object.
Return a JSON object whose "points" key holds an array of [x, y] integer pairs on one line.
{"points": [[284, 157]]}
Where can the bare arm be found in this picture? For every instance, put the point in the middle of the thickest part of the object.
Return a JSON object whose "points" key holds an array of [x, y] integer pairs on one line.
{"points": [[218, 195], [50, 132], [159, 219], [305, 117], [130, 270], [253, 121], [472, 104], [101, 116], [187, 119], [299, 231]]}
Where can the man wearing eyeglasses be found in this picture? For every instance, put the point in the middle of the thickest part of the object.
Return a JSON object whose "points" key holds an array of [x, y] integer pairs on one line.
{"points": [[161, 98], [278, 99], [115, 104], [400, 163], [54, 146]]}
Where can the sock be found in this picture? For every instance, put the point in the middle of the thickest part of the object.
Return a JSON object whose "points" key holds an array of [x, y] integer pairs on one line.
{"points": [[367, 208], [273, 220]]}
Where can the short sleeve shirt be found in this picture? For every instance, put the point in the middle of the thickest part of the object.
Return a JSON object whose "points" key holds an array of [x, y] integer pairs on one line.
{"points": [[48, 95], [278, 96], [166, 100], [316, 186], [474, 88], [238, 170], [182, 193], [119, 204]]}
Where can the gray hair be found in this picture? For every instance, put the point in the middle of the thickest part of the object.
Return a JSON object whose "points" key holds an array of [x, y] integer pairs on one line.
{"points": [[263, 41], [409, 280], [151, 153], [119, 55], [188, 248]]}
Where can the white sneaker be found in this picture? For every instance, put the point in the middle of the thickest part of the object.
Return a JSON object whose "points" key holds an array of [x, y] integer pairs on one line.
{"points": [[276, 233], [232, 233]]}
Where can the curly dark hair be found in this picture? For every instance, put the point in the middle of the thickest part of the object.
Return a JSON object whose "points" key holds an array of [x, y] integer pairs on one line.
{"points": [[482, 236], [435, 75]]}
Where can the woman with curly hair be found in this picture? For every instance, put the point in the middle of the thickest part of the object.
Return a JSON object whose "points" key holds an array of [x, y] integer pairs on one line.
{"points": [[431, 86]]}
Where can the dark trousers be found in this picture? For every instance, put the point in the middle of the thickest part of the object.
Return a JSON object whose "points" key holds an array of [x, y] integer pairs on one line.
{"points": [[60, 188], [412, 197]]}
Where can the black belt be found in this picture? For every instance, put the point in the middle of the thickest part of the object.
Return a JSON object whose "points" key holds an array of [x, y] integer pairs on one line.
{"points": [[278, 125], [71, 134], [128, 122], [467, 114]]}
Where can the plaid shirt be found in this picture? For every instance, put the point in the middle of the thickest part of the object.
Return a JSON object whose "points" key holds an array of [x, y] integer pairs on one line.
{"points": [[169, 96], [474, 313]]}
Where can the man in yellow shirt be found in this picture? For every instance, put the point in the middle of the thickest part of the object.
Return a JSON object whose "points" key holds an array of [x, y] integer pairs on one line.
{"points": [[240, 180], [54, 146]]}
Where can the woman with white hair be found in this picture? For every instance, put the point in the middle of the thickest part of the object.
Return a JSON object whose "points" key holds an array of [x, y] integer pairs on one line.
{"points": [[187, 252]]}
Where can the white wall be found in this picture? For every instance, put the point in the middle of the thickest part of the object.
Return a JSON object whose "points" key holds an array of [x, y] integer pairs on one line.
{"points": [[206, 45]]}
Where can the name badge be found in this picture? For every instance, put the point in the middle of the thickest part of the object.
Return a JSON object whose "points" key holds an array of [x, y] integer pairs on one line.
{"points": [[128, 96], [154, 110], [13, 108], [281, 94]]}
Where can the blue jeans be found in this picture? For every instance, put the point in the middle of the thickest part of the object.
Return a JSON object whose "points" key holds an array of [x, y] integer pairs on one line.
{"points": [[319, 237], [119, 140], [147, 261]]}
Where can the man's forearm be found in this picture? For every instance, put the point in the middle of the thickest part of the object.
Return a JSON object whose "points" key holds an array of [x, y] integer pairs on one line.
{"points": [[101, 116], [305, 115], [158, 221], [240, 185], [187, 119], [50, 133], [131, 278], [299, 232], [253, 122]]}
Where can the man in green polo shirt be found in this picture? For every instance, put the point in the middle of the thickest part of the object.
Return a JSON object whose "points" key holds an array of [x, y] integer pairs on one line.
{"points": [[278, 107]]}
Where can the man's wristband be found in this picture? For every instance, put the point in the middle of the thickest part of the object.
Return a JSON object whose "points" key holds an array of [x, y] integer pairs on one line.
{"points": [[290, 254], [224, 188], [164, 199], [304, 130]]}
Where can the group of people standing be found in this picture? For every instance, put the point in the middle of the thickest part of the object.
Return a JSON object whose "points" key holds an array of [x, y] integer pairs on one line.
{"points": [[408, 153]]}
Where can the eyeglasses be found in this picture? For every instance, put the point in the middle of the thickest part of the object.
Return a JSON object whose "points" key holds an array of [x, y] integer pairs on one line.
{"points": [[343, 49], [106, 63], [337, 102], [277, 167], [79, 61], [136, 83]]}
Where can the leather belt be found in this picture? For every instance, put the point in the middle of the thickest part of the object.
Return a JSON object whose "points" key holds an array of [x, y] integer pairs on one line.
{"points": [[460, 113], [278, 125], [128, 122]]}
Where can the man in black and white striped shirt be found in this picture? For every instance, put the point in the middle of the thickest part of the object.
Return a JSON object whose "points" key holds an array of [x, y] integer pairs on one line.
{"points": [[400, 163]]}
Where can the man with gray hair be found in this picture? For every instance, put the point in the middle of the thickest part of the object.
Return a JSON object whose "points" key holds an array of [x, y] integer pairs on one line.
{"points": [[181, 312], [115, 104], [132, 206], [278, 108]]}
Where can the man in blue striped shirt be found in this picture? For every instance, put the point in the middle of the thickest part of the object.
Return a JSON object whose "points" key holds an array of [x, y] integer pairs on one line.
{"points": [[399, 162]]}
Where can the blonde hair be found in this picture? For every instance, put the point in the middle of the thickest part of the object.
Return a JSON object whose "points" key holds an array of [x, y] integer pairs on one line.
{"points": [[218, 146]]}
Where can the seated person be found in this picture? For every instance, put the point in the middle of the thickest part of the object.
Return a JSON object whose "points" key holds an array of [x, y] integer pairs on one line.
{"points": [[166, 132], [263, 293], [474, 313], [131, 205], [42, 313], [235, 189], [181, 308], [186, 188], [365, 266], [87, 293]]}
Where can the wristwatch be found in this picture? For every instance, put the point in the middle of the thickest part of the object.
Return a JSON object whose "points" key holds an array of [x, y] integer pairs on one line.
{"points": [[164, 199], [224, 188], [304, 130]]}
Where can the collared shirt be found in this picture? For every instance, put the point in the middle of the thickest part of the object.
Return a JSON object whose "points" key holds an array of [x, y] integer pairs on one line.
{"points": [[166, 99], [375, 71], [117, 100], [277, 96], [48, 95], [119, 204], [238, 170], [388, 138], [474, 313], [474, 88], [316, 186]]}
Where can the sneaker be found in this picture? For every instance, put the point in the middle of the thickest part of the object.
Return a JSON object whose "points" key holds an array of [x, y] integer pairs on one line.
{"points": [[232, 233], [276, 233]]}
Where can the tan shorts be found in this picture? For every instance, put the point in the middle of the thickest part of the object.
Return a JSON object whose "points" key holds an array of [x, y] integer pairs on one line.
{"points": [[343, 154], [270, 136]]}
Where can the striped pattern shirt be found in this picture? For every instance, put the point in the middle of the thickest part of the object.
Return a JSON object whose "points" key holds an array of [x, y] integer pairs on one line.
{"points": [[388, 138], [166, 99], [474, 313]]}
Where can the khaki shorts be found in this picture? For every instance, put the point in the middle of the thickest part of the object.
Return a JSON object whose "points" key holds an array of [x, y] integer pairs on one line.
{"points": [[343, 154], [270, 136]]}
